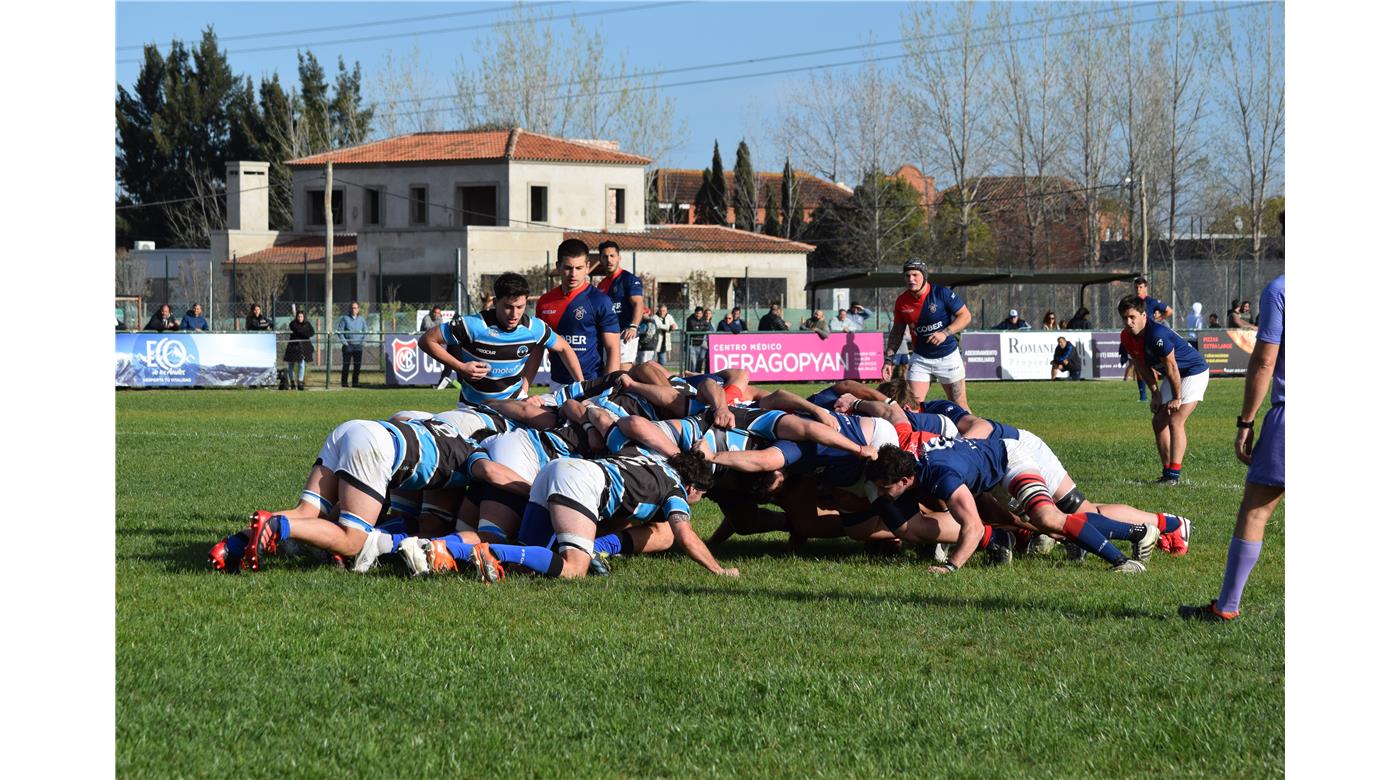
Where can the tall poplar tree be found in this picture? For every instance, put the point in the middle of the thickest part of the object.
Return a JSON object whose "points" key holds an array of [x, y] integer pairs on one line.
{"points": [[745, 192]]}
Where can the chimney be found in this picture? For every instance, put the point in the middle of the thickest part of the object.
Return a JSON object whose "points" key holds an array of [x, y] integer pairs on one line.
{"points": [[247, 185]]}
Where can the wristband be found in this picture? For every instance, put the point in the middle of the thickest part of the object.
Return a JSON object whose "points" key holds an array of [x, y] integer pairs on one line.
{"points": [[855, 404], [889, 402], [1241, 424]]}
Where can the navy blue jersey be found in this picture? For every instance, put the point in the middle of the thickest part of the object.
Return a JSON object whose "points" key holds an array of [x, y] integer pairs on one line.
{"points": [[481, 338], [932, 423], [580, 318], [1158, 341], [924, 314], [1153, 307], [947, 464], [828, 464], [946, 408], [428, 455], [826, 399], [620, 287]]}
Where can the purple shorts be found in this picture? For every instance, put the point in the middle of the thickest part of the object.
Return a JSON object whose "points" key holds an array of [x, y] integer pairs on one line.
{"points": [[1267, 465]]}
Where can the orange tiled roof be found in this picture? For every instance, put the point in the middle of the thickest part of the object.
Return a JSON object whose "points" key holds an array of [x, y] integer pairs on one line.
{"points": [[682, 185], [312, 248], [692, 238], [454, 146]]}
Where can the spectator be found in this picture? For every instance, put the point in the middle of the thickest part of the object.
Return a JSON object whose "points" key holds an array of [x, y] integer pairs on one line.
{"points": [[843, 323], [194, 319], [648, 335], [256, 320], [1194, 320], [1214, 321], [730, 324], [351, 330], [859, 315], [665, 325], [300, 348], [1066, 359], [773, 320], [1048, 322], [1156, 310], [431, 320], [696, 350], [163, 320], [1236, 318], [1245, 313], [1080, 321], [817, 323], [738, 318], [1013, 321]]}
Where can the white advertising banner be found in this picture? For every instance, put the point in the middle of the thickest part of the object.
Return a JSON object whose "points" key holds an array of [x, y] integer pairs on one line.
{"points": [[1026, 354]]}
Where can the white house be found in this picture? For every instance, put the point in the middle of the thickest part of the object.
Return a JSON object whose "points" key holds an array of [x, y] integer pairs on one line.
{"points": [[419, 213]]}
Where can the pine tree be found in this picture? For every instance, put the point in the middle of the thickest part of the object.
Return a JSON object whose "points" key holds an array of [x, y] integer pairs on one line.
{"points": [[713, 201], [772, 223], [315, 105], [745, 194], [792, 206], [349, 119]]}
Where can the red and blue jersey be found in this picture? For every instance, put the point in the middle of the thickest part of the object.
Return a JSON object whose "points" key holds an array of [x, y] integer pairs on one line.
{"points": [[1158, 341], [620, 287], [580, 318], [927, 312]]}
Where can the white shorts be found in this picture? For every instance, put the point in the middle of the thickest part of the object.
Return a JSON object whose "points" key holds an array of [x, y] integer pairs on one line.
{"points": [[1193, 388], [1030, 454], [629, 350], [945, 370], [516, 451], [573, 482], [362, 450]]}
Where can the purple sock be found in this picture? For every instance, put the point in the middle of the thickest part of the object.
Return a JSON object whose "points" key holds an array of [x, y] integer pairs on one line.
{"points": [[1243, 556]]}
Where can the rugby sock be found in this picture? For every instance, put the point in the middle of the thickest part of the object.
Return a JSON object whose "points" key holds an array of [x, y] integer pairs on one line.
{"points": [[457, 547], [1167, 523], [235, 544], [283, 527], [1086, 536], [389, 543], [540, 560], [1172, 470], [1243, 556], [1142, 390], [1112, 529], [614, 544], [986, 538]]}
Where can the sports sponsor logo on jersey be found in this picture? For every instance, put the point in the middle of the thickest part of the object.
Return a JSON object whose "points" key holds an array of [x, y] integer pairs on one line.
{"points": [[405, 359], [522, 350]]}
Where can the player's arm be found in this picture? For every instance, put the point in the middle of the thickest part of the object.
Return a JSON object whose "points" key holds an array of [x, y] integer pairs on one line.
{"points": [[963, 507], [528, 414], [961, 319], [694, 546], [892, 343], [785, 401], [647, 434], [749, 461], [1257, 379], [433, 343], [637, 307], [793, 428], [712, 394], [503, 477], [1173, 375], [848, 404], [565, 353]]}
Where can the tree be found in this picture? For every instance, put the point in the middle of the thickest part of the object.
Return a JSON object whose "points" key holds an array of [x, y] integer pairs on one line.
{"points": [[261, 283], [350, 121], [700, 289], [401, 97], [1090, 129], [772, 221], [1183, 109], [792, 203], [948, 231], [745, 193], [881, 223], [712, 202], [315, 103]]}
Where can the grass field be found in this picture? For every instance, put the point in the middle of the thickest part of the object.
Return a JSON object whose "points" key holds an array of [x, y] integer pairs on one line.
{"points": [[821, 663]]}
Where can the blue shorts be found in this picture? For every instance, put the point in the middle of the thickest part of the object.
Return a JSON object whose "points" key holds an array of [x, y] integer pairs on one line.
{"points": [[1267, 466]]}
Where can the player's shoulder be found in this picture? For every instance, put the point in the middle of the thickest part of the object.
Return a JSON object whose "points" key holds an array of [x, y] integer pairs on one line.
{"points": [[1274, 290]]}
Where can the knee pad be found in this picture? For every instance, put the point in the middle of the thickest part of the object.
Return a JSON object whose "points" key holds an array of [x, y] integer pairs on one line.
{"points": [[348, 520], [1070, 502], [572, 540], [488, 531], [318, 500], [1028, 492]]}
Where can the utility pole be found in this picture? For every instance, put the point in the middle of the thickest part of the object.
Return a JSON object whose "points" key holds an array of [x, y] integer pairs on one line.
{"points": [[330, 273]]}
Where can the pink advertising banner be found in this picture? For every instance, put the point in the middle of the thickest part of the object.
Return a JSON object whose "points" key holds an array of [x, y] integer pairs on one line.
{"points": [[797, 357]]}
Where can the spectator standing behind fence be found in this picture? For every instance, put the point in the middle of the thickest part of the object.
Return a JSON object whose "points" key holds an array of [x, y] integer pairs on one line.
{"points": [[1246, 314], [1194, 322], [1214, 321], [256, 319], [431, 321], [163, 320], [1080, 320], [739, 318], [300, 349], [1066, 359], [1013, 321], [194, 319], [859, 315], [1236, 319], [695, 345], [843, 323], [773, 320], [817, 323], [648, 336], [1048, 322], [351, 330], [665, 324], [730, 324]]}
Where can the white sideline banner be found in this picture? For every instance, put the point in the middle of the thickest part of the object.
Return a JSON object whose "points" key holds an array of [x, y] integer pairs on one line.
{"points": [[1026, 354]]}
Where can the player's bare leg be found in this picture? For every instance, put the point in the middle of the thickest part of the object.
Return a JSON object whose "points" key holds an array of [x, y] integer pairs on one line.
{"points": [[919, 389], [1176, 424], [955, 392], [1161, 429], [318, 498], [571, 522]]}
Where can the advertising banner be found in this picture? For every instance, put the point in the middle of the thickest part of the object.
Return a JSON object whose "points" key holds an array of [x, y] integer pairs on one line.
{"points": [[1226, 351], [1026, 354], [196, 359], [981, 355], [1107, 364], [798, 357], [405, 364]]}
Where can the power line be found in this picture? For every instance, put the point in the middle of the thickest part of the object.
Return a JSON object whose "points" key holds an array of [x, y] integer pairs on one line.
{"points": [[187, 200], [332, 28], [792, 55], [369, 38]]}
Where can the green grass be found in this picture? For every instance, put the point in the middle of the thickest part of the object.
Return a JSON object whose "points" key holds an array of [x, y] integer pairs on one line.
{"points": [[824, 663]]}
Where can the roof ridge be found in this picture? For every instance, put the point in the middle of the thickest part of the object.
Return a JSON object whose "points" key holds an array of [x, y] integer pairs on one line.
{"points": [[510, 142]]}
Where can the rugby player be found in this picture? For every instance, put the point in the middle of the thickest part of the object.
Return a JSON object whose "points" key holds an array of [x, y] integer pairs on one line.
{"points": [[582, 316], [625, 290], [1263, 483], [1186, 377], [347, 490], [936, 315], [498, 344]]}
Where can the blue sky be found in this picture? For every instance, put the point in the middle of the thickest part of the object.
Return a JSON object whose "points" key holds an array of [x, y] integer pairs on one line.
{"points": [[678, 35]]}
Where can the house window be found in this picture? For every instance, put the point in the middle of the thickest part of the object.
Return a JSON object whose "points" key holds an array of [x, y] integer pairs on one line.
{"points": [[418, 205], [617, 206], [371, 207], [477, 204], [539, 204], [316, 207]]}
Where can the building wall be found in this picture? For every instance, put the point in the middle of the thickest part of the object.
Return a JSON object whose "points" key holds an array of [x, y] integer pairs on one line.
{"points": [[578, 193], [442, 182]]}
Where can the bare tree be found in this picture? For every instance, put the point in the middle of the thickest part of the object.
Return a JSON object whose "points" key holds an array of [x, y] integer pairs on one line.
{"points": [[1138, 112], [261, 283], [1185, 98], [193, 285], [1089, 126], [1250, 62], [951, 118], [813, 128], [131, 276], [192, 220], [402, 104]]}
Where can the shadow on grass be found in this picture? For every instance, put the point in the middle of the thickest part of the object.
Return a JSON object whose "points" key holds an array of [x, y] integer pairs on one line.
{"points": [[983, 603]]}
